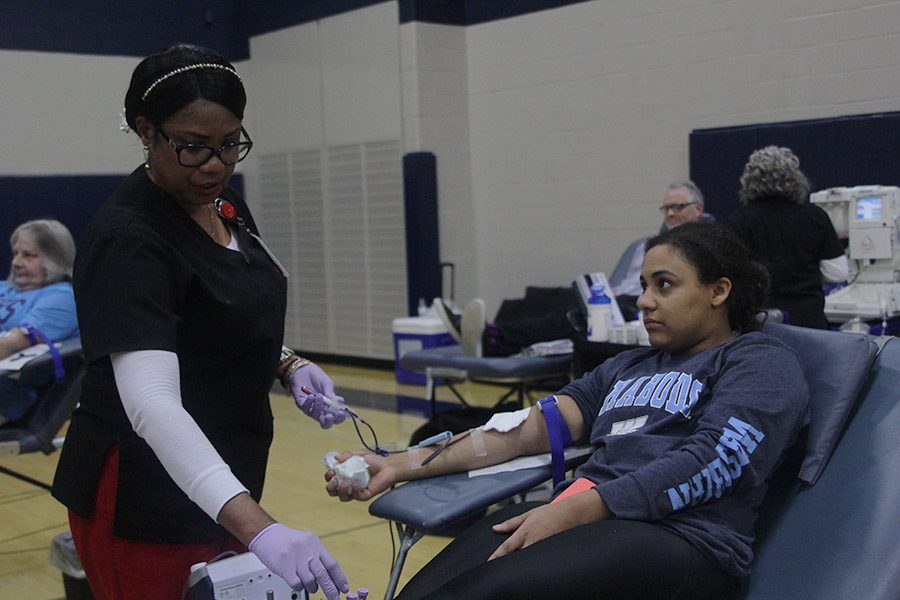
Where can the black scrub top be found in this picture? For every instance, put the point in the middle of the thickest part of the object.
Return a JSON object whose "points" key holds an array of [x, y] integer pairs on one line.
{"points": [[791, 239], [148, 277]]}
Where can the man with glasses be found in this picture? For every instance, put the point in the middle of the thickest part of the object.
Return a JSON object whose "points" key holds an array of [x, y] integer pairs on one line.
{"points": [[682, 203]]}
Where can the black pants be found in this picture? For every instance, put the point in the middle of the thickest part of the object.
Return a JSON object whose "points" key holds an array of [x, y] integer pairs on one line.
{"points": [[608, 560]]}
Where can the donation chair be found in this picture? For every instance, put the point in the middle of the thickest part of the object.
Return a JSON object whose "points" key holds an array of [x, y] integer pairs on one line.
{"points": [[831, 533], [824, 534], [38, 430], [449, 364]]}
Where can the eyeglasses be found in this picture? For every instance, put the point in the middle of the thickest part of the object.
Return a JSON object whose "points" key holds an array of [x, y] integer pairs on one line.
{"points": [[195, 155], [665, 208]]}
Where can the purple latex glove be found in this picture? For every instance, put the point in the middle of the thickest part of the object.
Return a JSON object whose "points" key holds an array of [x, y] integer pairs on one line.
{"points": [[309, 386], [300, 559]]}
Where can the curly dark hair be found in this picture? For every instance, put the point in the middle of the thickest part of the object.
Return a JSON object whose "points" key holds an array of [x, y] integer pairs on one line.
{"points": [[715, 251], [171, 94]]}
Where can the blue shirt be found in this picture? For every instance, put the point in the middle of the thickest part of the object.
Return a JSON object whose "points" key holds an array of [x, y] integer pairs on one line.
{"points": [[688, 442], [51, 309]]}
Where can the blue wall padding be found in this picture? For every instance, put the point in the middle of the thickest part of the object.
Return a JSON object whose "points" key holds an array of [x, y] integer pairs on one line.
{"points": [[423, 264], [444, 12], [135, 28], [479, 11], [142, 27], [70, 199], [258, 17], [833, 152]]}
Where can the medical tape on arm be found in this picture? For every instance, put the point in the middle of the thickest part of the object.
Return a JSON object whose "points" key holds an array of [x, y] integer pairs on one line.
{"points": [[478, 446], [416, 456]]}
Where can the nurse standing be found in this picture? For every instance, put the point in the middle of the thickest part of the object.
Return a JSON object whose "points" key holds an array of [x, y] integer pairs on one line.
{"points": [[182, 312]]}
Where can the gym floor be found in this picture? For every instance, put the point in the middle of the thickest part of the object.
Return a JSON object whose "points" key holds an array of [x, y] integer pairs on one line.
{"points": [[294, 494]]}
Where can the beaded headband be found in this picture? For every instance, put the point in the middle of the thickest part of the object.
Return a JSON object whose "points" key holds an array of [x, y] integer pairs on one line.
{"points": [[185, 69]]}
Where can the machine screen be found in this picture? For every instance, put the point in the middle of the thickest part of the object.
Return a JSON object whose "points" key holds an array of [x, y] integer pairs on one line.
{"points": [[868, 207]]}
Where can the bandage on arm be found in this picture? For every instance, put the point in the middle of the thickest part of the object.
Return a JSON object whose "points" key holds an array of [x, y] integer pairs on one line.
{"points": [[834, 269], [149, 384]]}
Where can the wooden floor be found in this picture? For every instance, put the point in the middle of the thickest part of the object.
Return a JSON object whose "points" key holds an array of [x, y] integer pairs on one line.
{"points": [[30, 518]]}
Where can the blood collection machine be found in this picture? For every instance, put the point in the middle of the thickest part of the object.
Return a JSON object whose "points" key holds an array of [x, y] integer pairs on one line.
{"points": [[867, 217], [241, 577]]}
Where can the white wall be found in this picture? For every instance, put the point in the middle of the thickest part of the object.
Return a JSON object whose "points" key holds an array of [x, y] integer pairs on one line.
{"points": [[435, 103], [579, 116], [325, 178], [60, 114], [555, 132]]}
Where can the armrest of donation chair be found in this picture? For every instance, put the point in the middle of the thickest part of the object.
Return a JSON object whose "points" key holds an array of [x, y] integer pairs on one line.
{"points": [[449, 363], [39, 428], [425, 506]]}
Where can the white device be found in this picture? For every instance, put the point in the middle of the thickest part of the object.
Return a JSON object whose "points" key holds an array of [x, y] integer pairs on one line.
{"points": [[583, 284], [867, 217], [240, 577]]}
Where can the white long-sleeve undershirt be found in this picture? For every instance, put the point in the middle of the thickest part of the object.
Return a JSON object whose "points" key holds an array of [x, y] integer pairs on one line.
{"points": [[835, 269], [149, 385]]}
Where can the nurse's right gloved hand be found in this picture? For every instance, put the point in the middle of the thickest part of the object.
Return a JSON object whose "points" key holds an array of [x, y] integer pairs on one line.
{"points": [[313, 392], [327, 411], [300, 559]]}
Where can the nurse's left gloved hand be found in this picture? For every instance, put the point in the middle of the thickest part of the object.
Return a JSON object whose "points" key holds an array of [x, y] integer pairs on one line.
{"points": [[300, 559], [310, 386]]}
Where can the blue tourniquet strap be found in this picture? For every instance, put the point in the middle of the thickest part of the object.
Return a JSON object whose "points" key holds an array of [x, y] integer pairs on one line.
{"points": [[559, 435], [36, 335]]}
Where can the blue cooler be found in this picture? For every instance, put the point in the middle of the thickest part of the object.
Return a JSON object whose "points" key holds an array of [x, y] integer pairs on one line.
{"points": [[417, 333]]}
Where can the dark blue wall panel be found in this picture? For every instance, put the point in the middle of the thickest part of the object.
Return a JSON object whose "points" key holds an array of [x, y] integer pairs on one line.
{"points": [[423, 263], [142, 27], [472, 12], [481, 11], [444, 12], [833, 152], [70, 199], [125, 28], [270, 15]]}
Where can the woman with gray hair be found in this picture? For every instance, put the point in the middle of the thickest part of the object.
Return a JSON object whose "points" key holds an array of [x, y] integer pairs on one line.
{"points": [[793, 238], [36, 302]]}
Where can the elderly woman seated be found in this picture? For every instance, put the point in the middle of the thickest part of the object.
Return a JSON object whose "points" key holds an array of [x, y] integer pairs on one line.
{"points": [[36, 302]]}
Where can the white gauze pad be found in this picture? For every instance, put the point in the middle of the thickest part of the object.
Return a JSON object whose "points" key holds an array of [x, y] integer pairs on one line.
{"points": [[354, 470], [506, 421]]}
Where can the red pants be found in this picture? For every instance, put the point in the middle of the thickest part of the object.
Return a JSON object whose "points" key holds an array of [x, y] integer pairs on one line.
{"points": [[121, 569]]}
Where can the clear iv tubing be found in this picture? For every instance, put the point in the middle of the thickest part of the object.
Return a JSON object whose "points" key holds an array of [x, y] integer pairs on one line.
{"points": [[336, 406], [445, 436]]}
